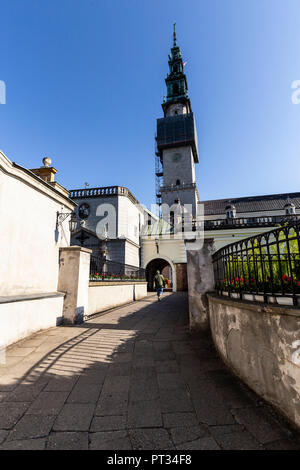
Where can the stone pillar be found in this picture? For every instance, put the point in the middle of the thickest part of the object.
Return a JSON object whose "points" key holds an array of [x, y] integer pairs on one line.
{"points": [[200, 275], [74, 273]]}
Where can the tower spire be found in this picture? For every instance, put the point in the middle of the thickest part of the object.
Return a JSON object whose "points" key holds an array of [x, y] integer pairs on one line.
{"points": [[174, 35]]}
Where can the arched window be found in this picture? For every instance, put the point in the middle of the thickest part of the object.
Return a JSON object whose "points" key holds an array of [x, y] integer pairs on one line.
{"points": [[177, 182]]}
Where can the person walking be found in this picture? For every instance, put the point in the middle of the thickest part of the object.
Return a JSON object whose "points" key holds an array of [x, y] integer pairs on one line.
{"points": [[159, 284]]}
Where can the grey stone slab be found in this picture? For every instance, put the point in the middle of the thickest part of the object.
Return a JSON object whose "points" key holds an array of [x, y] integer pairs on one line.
{"points": [[217, 431], [24, 444], [151, 439], [74, 417], [179, 419], [259, 424], [112, 405], [95, 375], [25, 393], [283, 444], [111, 440], [143, 346], [3, 435], [233, 397], [143, 360], [115, 384], [204, 443], [142, 373], [145, 388], [4, 396], [61, 384], [174, 401], [85, 393], [169, 366], [209, 406], [32, 427], [108, 423], [68, 441], [119, 369], [10, 413], [161, 346], [121, 357], [48, 403], [238, 441], [170, 381], [145, 414], [182, 434], [164, 356]]}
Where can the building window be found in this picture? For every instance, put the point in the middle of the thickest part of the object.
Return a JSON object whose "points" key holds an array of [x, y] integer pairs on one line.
{"points": [[290, 209], [175, 89], [230, 211], [177, 182], [84, 211]]}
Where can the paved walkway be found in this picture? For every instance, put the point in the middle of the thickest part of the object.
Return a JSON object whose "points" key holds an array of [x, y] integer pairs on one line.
{"points": [[131, 379]]}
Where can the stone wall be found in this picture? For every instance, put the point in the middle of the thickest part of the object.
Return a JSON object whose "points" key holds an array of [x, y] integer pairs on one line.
{"points": [[200, 281], [261, 344], [105, 294], [24, 315], [30, 239]]}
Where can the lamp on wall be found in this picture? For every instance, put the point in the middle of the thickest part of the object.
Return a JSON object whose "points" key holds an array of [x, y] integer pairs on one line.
{"points": [[62, 216], [157, 244]]}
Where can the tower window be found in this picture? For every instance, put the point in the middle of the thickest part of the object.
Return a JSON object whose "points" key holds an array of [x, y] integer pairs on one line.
{"points": [[177, 182], [175, 88]]}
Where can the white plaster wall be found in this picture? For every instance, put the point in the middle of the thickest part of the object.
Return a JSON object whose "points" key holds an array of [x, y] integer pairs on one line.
{"points": [[29, 245], [184, 169], [21, 319], [128, 219], [103, 297], [169, 249], [132, 255]]}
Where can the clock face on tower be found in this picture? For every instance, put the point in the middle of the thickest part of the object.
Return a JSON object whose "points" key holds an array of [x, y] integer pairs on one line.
{"points": [[176, 157]]}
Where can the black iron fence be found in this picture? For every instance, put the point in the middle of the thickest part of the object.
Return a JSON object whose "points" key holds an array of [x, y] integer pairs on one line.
{"points": [[267, 265], [102, 269]]}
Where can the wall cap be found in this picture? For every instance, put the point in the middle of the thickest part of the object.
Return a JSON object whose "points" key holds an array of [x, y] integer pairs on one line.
{"points": [[75, 248], [115, 283], [26, 297], [255, 306]]}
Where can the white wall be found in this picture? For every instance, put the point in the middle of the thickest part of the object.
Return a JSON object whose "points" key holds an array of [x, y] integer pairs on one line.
{"points": [[183, 169], [21, 319], [103, 296], [29, 249]]}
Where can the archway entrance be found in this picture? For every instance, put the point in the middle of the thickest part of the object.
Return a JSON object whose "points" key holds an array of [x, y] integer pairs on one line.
{"points": [[165, 269]]}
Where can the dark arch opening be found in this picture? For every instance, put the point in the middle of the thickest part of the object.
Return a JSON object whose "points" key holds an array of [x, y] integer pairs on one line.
{"points": [[164, 267]]}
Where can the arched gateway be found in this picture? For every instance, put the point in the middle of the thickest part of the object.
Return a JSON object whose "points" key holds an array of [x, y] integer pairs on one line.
{"points": [[167, 270]]}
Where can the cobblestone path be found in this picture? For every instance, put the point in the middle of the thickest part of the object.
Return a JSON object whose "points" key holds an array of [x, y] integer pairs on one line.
{"points": [[134, 378]]}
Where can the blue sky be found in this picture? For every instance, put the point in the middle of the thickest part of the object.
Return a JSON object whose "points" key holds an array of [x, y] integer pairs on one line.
{"points": [[85, 83]]}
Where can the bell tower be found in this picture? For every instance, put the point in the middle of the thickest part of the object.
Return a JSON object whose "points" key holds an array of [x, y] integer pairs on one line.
{"points": [[176, 140]]}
